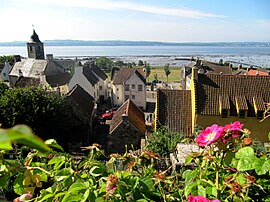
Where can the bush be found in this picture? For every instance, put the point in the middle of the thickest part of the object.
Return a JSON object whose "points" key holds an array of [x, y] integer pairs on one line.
{"points": [[163, 142]]}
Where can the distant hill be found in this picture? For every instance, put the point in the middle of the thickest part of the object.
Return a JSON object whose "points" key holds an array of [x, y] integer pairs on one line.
{"points": [[138, 43]]}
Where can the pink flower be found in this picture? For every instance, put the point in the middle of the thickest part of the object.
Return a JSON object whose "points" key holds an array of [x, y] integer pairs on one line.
{"points": [[231, 131], [200, 199], [25, 197], [209, 135]]}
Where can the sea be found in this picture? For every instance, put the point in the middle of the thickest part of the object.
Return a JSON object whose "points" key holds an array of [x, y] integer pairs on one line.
{"points": [[157, 55]]}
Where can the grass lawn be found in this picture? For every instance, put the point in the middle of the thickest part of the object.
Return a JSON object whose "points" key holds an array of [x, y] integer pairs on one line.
{"points": [[173, 77]]}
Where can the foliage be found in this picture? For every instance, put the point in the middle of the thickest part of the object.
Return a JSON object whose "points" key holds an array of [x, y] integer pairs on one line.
{"points": [[227, 167], [48, 114], [3, 88], [59, 177], [7, 58], [167, 71], [148, 70], [227, 170], [140, 63], [104, 63], [163, 142], [156, 77]]}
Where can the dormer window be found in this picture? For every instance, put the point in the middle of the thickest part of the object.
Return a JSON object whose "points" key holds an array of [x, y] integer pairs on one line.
{"points": [[259, 114], [224, 113], [126, 87], [242, 113]]}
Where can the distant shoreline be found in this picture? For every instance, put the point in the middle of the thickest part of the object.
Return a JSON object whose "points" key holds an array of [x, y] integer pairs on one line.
{"points": [[138, 43]]}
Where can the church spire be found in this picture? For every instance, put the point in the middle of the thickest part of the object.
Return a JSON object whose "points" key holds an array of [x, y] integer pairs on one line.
{"points": [[35, 47]]}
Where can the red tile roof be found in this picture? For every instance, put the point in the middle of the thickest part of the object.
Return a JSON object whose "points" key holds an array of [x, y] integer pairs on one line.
{"points": [[174, 110], [256, 72], [135, 116]]}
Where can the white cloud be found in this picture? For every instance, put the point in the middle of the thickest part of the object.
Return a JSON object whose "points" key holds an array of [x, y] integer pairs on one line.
{"points": [[112, 5]]}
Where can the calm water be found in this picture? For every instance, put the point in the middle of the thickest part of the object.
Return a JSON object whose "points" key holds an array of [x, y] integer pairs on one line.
{"points": [[251, 55]]}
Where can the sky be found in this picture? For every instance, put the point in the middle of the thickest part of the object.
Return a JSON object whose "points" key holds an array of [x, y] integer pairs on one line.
{"points": [[136, 20]]}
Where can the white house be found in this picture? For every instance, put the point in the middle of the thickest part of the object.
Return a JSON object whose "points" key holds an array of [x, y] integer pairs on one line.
{"points": [[85, 77], [4, 76], [102, 82], [129, 83]]}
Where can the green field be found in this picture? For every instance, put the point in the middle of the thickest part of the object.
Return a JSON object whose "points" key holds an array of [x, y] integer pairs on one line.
{"points": [[173, 77]]}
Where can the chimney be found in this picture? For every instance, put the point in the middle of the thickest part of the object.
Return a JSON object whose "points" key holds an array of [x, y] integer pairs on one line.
{"points": [[195, 73], [20, 73], [124, 117], [49, 57], [17, 58]]}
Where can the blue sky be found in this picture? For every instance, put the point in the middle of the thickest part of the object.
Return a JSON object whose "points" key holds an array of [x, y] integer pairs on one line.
{"points": [[151, 20]]}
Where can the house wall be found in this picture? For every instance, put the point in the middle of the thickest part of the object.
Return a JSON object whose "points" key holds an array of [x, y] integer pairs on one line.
{"points": [[259, 130], [124, 135], [140, 96], [117, 92], [5, 72], [79, 78]]}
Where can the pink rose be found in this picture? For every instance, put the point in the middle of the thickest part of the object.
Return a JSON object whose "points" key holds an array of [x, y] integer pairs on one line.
{"points": [[200, 199], [231, 131], [209, 135]]}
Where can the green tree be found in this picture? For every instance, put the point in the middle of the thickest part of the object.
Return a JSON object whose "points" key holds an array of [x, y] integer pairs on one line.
{"points": [[3, 88], [7, 58], [167, 71], [48, 114], [163, 142], [104, 63], [156, 77], [148, 70], [140, 63]]}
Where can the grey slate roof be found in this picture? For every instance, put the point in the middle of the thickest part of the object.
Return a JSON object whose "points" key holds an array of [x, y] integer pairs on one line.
{"points": [[82, 99], [89, 75], [29, 68], [60, 79], [34, 38], [98, 71]]}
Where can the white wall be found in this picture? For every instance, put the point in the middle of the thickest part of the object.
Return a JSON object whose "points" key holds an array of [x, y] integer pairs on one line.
{"points": [[79, 78], [117, 91], [5, 72], [140, 96]]}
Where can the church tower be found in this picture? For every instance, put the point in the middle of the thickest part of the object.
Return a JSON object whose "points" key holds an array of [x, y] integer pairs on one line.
{"points": [[35, 47]]}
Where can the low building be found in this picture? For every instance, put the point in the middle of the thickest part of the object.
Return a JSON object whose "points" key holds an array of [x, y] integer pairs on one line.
{"points": [[127, 127], [85, 108], [219, 99], [85, 77], [4, 72], [129, 83]]}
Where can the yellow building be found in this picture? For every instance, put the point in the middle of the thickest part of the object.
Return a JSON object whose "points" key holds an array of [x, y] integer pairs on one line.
{"points": [[222, 99]]}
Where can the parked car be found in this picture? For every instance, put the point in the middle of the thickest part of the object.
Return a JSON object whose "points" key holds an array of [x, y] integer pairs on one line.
{"points": [[109, 114]]}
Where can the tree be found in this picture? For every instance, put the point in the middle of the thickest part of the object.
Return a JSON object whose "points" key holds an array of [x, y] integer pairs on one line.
{"points": [[104, 63], [7, 58], [140, 63], [147, 70], [48, 114], [167, 70], [3, 88], [156, 77]]}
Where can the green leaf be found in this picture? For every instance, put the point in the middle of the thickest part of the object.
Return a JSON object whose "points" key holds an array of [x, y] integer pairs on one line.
{"points": [[245, 152], [5, 142], [76, 187], [188, 160], [246, 164], [54, 144], [241, 179], [18, 184], [201, 191], [269, 136], [23, 134], [262, 165], [46, 197], [211, 191]]}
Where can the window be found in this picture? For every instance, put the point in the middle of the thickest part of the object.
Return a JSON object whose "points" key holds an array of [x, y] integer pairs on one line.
{"points": [[126, 87], [4, 74], [117, 98], [133, 86], [133, 97], [117, 89], [140, 87], [260, 114], [242, 114], [126, 97], [100, 87], [224, 113], [30, 48]]}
